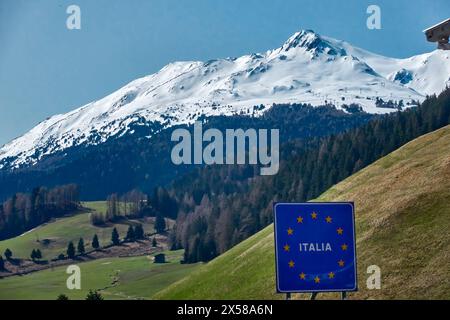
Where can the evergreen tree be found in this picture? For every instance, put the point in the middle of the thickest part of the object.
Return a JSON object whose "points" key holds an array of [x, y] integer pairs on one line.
{"points": [[139, 232], [62, 297], [154, 243], [95, 242], [33, 255], [94, 295], [160, 223], [130, 234], [71, 250], [115, 237], [2, 263], [8, 254], [38, 254], [80, 247]]}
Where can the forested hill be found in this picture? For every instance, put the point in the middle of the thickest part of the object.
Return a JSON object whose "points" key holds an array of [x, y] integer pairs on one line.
{"points": [[221, 206], [141, 158], [402, 223]]}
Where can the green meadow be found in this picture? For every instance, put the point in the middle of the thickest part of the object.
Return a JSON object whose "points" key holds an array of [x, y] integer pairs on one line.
{"points": [[52, 238], [114, 278]]}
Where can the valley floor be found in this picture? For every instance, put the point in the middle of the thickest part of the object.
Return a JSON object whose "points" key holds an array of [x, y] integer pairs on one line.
{"points": [[114, 278], [126, 271], [16, 267]]}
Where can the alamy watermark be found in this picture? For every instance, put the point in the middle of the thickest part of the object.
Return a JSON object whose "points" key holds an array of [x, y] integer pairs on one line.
{"points": [[238, 146], [374, 280], [73, 21], [374, 20], [73, 282]]}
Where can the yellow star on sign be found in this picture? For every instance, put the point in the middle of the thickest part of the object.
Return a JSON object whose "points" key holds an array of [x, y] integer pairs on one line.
{"points": [[328, 219], [317, 279], [341, 263], [340, 231], [300, 219], [290, 232], [291, 264], [344, 247], [331, 275], [286, 247], [302, 276], [314, 215]]}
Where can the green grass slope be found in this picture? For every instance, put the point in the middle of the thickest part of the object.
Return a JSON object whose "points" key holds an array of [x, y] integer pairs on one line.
{"points": [[62, 230], [402, 219], [116, 278]]}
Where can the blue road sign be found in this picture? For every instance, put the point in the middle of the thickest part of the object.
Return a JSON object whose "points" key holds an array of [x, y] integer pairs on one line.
{"points": [[315, 247]]}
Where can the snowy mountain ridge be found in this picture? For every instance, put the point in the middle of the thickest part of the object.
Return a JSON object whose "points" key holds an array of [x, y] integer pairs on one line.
{"points": [[307, 68]]}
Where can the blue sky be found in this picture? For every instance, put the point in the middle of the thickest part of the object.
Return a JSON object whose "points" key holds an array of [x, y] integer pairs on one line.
{"points": [[47, 69]]}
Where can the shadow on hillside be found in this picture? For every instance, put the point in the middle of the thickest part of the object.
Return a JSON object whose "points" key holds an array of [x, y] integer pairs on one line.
{"points": [[14, 261]]}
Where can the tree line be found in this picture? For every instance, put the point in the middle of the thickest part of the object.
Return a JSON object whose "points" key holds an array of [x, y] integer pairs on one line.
{"points": [[134, 233], [24, 211], [136, 204]]}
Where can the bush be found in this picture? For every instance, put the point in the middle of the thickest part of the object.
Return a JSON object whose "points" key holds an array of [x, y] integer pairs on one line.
{"points": [[94, 295]]}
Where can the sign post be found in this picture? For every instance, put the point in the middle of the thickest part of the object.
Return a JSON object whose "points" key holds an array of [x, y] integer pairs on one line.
{"points": [[315, 247]]}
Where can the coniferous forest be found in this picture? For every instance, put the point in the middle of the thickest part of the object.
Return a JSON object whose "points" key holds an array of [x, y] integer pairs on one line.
{"points": [[219, 206]]}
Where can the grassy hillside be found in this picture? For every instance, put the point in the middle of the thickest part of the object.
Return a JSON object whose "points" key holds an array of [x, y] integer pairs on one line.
{"points": [[402, 219], [52, 238], [117, 278]]}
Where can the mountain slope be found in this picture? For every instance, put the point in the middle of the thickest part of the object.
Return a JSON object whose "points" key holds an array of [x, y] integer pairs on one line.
{"points": [[402, 222], [135, 161], [307, 68], [52, 238], [427, 73]]}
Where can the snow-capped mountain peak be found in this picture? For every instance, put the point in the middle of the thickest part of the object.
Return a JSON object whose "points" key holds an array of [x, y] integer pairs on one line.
{"points": [[307, 68], [310, 41]]}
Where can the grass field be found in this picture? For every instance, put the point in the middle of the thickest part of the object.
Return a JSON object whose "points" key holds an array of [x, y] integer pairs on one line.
{"points": [[53, 237], [116, 278], [402, 219]]}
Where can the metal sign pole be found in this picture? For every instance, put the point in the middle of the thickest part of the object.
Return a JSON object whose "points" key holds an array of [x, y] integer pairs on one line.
{"points": [[314, 296]]}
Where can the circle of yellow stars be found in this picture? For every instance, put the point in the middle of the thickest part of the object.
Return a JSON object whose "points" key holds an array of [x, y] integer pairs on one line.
{"points": [[344, 247]]}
